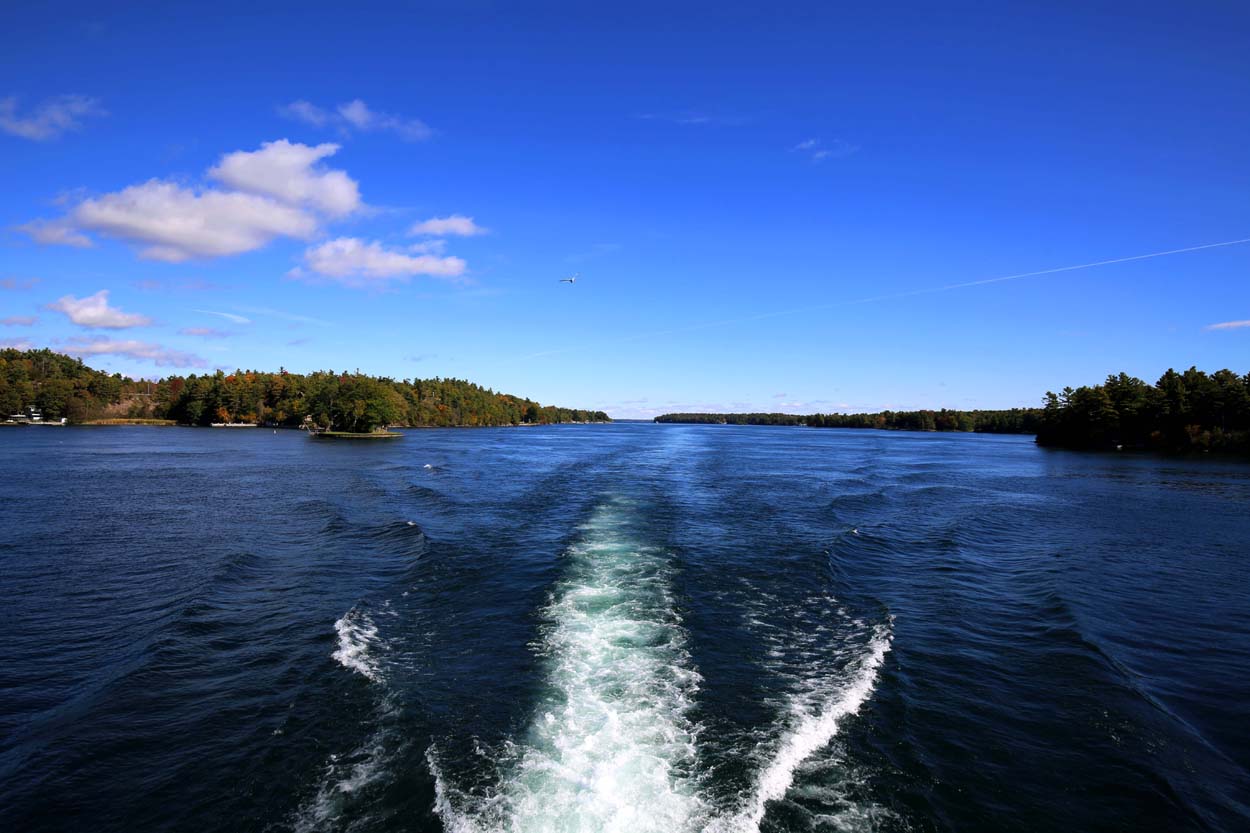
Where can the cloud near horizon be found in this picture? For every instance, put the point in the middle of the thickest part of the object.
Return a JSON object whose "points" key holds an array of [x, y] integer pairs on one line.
{"points": [[356, 115], [51, 119], [94, 311], [20, 321], [141, 350], [357, 263], [280, 190]]}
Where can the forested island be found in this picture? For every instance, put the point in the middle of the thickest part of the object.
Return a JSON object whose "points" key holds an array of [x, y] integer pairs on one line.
{"points": [[1182, 412], [61, 386]]}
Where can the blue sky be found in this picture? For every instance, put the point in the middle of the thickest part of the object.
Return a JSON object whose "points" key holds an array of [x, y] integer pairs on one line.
{"points": [[312, 187]]}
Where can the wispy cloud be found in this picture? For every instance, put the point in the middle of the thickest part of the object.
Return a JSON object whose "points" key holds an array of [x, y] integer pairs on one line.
{"points": [[355, 115], [285, 316], [140, 350], [204, 332], [19, 320], [818, 150], [55, 233], [692, 118], [296, 342], [18, 284], [229, 316], [191, 285], [1228, 325], [457, 225], [94, 311], [52, 118], [17, 343]]}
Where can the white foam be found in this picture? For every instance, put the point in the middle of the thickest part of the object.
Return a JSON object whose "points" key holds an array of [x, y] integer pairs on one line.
{"points": [[368, 763], [610, 746], [357, 638], [813, 722]]}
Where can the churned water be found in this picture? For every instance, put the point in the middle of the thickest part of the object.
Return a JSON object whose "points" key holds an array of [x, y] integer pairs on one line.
{"points": [[619, 628]]}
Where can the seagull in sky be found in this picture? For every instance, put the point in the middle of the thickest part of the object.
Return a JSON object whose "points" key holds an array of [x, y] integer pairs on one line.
{"points": [[573, 279]]}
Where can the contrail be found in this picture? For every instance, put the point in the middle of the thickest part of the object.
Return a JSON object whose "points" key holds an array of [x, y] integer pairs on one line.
{"points": [[911, 293]]}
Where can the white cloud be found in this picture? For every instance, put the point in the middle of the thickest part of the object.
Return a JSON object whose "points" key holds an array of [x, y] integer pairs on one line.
{"points": [[203, 332], [356, 115], [179, 223], [289, 172], [305, 112], [428, 247], [142, 350], [19, 321], [357, 263], [1227, 325], [456, 224], [94, 311], [229, 316], [50, 119], [279, 190], [17, 343], [56, 233]]}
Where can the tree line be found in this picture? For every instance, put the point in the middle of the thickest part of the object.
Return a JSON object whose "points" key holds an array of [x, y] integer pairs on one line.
{"points": [[61, 386], [1181, 412], [1013, 421]]}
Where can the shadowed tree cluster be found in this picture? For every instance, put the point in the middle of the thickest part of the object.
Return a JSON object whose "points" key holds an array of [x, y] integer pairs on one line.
{"points": [[1190, 411], [63, 386]]}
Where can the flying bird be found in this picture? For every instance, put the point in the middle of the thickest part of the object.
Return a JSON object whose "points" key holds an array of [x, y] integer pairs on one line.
{"points": [[573, 279]]}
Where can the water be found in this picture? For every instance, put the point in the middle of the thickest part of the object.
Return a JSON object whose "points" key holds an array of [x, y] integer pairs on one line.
{"points": [[618, 628]]}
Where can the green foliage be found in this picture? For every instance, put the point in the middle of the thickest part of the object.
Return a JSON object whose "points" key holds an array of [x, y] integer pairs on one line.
{"points": [[62, 386], [1190, 411], [1014, 421]]}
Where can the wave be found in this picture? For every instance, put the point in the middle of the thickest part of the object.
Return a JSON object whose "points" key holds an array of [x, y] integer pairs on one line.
{"points": [[350, 774], [816, 713], [358, 638]]}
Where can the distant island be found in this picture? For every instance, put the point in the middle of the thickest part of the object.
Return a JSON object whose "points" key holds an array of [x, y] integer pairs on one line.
{"points": [[1013, 421], [61, 386], [1182, 412]]}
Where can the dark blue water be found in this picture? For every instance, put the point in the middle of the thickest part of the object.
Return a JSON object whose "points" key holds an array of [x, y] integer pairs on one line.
{"points": [[627, 627]]}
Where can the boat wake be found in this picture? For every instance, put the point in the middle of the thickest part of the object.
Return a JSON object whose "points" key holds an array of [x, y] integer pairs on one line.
{"points": [[811, 718], [358, 640], [348, 776], [612, 745]]}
